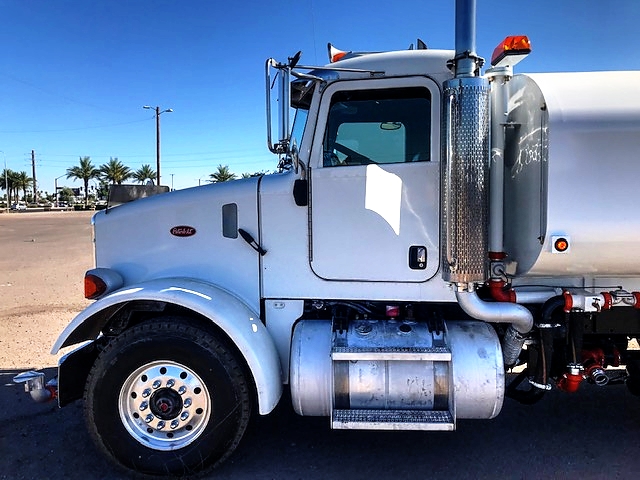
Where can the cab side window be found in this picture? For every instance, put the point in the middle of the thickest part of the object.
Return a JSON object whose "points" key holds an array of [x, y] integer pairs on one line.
{"points": [[378, 126]]}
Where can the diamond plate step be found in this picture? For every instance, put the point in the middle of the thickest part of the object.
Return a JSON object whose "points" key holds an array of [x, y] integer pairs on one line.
{"points": [[440, 420], [434, 354]]}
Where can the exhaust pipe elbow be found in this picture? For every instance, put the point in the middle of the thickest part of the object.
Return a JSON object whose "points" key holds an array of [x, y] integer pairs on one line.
{"points": [[496, 312], [519, 318]]}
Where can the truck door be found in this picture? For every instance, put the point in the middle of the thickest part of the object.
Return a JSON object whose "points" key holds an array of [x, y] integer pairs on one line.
{"points": [[375, 181]]}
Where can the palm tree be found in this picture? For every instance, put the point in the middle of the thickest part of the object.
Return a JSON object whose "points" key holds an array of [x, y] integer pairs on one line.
{"points": [[7, 184], [85, 172], [13, 185], [254, 174], [144, 173], [114, 171], [22, 181], [222, 174]]}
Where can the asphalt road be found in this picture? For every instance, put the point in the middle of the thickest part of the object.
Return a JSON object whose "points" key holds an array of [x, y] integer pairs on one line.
{"points": [[593, 434]]}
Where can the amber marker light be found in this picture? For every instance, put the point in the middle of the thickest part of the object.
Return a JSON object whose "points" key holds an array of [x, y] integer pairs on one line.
{"points": [[94, 286], [517, 46], [561, 245], [335, 54]]}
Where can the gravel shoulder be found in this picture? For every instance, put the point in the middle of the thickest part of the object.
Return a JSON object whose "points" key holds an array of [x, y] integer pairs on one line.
{"points": [[44, 257]]}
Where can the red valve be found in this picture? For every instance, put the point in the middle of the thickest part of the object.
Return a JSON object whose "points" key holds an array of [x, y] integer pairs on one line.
{"points": [[570, 382]]}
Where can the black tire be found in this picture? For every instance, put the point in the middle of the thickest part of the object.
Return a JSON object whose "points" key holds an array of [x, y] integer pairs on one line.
{"points": [[167, 398]]}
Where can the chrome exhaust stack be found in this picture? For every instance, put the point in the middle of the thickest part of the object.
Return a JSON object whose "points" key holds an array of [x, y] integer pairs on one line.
{"points": [[465, 188], [465, 163], [465, 209]]}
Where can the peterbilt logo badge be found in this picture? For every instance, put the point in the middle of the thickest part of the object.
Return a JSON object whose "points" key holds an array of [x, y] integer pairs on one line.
{"points": [[183, 231]]}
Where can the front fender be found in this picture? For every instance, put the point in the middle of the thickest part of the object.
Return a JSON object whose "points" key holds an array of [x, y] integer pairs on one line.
{"points": [[230, 314]]}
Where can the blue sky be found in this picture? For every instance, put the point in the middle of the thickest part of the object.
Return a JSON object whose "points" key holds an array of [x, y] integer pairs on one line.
{"points": [[74, 74]]}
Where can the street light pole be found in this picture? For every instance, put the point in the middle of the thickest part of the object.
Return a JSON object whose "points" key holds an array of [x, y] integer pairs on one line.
{"points": [[158, 113]]}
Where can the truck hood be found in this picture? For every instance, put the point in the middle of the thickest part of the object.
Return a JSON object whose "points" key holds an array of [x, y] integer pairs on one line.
{"points": [[181, 234]]}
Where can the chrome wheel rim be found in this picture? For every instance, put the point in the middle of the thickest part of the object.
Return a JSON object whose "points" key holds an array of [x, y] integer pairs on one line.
{"points": [[164, 405]]}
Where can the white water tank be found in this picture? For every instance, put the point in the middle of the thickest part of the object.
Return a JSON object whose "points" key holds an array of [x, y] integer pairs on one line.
{"points": [[572, 170]]}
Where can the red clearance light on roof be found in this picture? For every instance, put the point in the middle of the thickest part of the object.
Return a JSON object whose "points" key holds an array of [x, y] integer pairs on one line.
{"points": [[511, 50], [335, 54]]}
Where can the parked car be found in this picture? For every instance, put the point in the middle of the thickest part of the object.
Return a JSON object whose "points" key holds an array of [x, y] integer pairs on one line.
{"points": [[18, 206]]}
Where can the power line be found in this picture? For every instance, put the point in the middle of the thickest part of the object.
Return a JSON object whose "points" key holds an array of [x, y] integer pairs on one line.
{"points": [[182, 154], [74, 129], [55, 94]]}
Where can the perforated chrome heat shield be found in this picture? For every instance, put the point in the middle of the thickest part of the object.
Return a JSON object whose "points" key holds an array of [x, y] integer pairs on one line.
{"points": [[465, 180]]}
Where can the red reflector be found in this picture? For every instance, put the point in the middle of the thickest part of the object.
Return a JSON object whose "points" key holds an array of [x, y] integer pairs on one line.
{"points": [[516, 45], [568, 301], [393, 311], [94, 286]]}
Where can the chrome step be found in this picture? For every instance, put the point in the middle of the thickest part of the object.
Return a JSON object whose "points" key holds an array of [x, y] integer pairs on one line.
{"points": [[438, 420], [433, 354]]}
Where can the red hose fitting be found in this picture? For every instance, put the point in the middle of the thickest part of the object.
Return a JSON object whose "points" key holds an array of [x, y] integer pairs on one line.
{"points": [[568, 301], [591, 357], [608, 300], [570, 382], [636, 295], [500, 293], [572, 379], [497, 256]]}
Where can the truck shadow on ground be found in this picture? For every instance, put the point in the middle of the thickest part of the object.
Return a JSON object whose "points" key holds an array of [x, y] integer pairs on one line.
{"points": [[591, 434]]}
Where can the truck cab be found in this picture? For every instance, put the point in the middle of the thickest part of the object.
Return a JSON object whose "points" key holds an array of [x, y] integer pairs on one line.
{"points": [[370, 154]]}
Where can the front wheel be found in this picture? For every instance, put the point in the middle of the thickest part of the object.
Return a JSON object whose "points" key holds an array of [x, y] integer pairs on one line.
{"points": [[167, 398]]}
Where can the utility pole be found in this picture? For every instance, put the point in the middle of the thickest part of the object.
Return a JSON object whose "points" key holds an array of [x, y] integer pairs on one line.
{"points": [[158, 145], [33, 169], [158, 113]]}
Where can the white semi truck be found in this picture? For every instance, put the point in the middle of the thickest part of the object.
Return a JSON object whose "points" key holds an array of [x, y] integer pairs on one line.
{"points": [[436, 239]]}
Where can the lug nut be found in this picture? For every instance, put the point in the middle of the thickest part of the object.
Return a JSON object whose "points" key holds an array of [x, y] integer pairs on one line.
{"points": [[143, 406], [149, 418]]}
